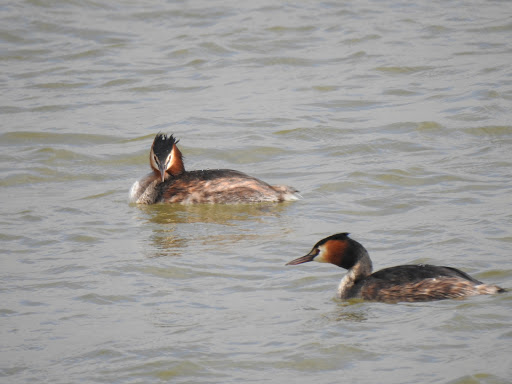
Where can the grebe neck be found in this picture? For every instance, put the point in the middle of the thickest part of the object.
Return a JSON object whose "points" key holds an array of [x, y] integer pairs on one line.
{"points": [[359, 271]]}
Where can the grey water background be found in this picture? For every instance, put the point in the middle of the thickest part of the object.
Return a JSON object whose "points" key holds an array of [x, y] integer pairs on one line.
{"points": [[392, 118]]}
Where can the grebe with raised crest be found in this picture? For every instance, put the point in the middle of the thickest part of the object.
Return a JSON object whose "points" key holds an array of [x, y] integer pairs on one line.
{"points": [[170, 183]]}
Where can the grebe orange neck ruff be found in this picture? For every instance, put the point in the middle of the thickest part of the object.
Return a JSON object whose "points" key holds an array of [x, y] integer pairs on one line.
{"points": [[169, 182], [401, 283]]}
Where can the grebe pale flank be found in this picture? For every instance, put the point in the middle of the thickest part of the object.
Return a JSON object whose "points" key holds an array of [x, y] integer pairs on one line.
{"points": [[170, 183], [401, 283]]}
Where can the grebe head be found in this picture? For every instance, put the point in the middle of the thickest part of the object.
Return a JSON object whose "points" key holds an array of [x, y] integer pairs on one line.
{"points": [[165, 157], [337, 249]]}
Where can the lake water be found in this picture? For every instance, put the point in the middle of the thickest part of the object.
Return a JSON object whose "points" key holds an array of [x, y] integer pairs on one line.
{"points": [[393, 119]]}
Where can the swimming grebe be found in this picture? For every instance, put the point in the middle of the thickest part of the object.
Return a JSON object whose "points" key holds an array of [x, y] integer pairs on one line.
{"points": [[170, 183], [401, 283]]}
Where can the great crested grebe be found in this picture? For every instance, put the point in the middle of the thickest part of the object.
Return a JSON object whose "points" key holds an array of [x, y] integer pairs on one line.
{"points": [[170, 183], [401, 283]]}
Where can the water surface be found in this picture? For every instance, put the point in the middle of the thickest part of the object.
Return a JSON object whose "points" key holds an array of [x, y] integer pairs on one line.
{"points": [[392, 119]]}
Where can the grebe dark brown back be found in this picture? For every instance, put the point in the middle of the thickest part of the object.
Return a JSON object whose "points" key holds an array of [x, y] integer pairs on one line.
{"points": [[401, 283], [170, 183]]}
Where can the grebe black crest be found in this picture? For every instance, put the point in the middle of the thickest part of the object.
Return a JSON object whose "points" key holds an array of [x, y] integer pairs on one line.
{"points": [[401, 283], [170, 183]]}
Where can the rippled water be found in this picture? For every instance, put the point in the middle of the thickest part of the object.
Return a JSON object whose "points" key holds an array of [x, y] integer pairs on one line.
{"points": [[393, 120]]}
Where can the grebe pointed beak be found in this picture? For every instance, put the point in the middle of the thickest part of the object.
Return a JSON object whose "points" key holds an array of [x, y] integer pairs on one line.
{"points": [[162, 172], [304, 259]]}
